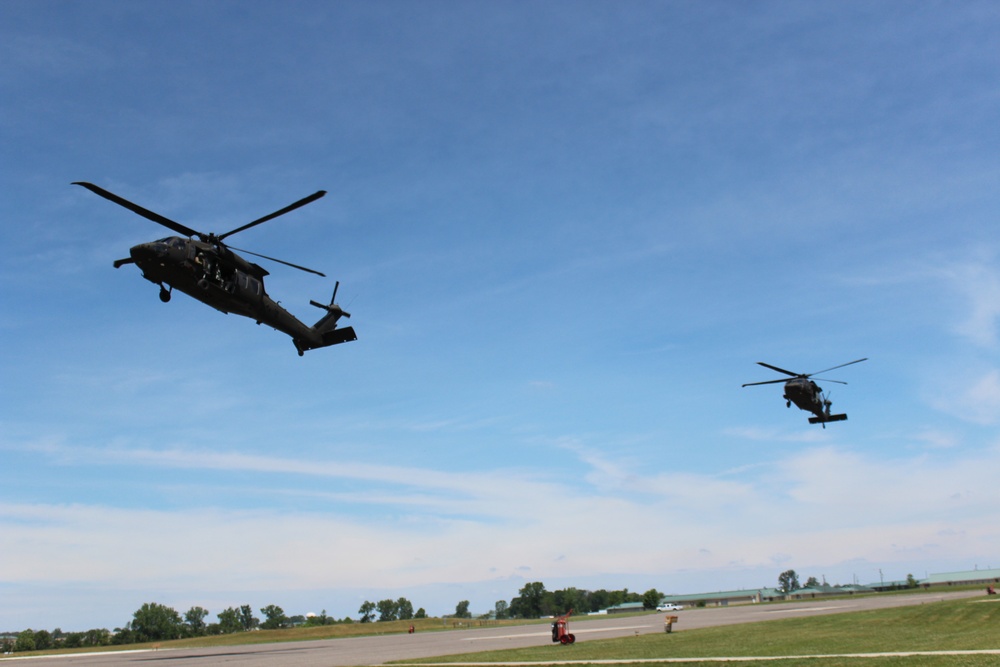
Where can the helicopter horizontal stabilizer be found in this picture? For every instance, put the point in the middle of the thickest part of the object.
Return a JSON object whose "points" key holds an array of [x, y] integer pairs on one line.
{"points": [[828, 418], [337, 336]]}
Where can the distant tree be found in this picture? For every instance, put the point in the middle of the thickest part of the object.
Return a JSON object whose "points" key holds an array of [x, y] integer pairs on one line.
{"points": [[274, 617], [420, 613], [229, 621], [97, 637], [195, 619], [6, 645], [43, 640], [598, 600], [788, 581], [387, 610], [528, 603], [322, 619], [367, 611], [123, 636], [812, 582], [617, 597], [247, 620], [500, 609], [404, 609], [25, 641], [575, 599], [911, 581], [651, 599], [155, 622], [297, 619], [462, 610]]}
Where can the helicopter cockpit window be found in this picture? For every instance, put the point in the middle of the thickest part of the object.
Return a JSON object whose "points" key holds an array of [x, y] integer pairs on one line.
{"points": [[172, 241]]}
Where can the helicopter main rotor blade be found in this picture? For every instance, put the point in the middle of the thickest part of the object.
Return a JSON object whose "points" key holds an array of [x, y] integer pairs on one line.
{"points": [[135, 208], [856, 361], [279, 261], [752, 384], [291, 207], [780, 370], [829, 380]]}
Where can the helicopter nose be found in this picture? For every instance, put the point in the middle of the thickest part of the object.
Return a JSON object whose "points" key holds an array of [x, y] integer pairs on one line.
{"points": [[147, 251]]}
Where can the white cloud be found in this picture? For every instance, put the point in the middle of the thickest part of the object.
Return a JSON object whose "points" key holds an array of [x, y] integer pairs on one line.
{"points": [[824, 505], [972, 397], [978, 281]]}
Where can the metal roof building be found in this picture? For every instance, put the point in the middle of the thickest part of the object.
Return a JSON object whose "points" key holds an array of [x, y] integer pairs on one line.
{"points": [[968, 577]]}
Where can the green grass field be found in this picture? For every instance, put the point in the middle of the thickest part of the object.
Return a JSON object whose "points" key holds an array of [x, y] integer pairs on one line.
{"points": [[968, 624]]}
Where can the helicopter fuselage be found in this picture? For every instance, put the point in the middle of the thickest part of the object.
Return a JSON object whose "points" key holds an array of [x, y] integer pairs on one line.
{"points": [[805, 394], [223, 280]]}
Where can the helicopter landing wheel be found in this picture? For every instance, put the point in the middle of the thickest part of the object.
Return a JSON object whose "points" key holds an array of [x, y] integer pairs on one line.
{"points": [[164, 294]]}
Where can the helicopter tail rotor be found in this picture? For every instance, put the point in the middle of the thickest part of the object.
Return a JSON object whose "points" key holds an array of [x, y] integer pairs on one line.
{"points": [[332, 308], [325, 332]]}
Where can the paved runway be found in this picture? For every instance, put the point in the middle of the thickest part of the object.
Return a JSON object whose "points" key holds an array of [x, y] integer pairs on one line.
{"points": [[377, 650]]}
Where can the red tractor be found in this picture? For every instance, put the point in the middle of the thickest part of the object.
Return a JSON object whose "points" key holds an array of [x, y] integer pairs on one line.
{"points": [[560, 629]]}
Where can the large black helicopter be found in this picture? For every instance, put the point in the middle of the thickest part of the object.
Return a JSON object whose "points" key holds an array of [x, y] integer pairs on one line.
{"points": [[204, 267], [806, 394]]}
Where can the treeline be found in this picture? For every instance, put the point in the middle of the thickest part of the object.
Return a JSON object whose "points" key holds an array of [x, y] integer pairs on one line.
{"points": [[40, 640], [390, 610], [156, 622], [533, 601]]}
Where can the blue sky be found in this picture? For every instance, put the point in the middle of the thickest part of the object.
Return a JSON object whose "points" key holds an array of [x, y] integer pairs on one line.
{"points": [[566, 232]]}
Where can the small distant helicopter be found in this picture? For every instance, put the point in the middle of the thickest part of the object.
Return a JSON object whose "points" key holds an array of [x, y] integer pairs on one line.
{"points": [[806, 394], [204, 267]]}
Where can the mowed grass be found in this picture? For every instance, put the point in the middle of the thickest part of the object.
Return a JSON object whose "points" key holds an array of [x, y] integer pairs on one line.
{"points": [[967, 625]]}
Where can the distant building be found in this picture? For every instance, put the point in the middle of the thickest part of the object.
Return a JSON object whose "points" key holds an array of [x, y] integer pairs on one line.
{"points": [[824, 590], [758, 595], [725, 598], [897, 585], [966, 578], [626, 608]]}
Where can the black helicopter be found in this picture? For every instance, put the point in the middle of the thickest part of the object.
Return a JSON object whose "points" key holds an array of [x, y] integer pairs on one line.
{"points": [[806, 394], [204, 267]]}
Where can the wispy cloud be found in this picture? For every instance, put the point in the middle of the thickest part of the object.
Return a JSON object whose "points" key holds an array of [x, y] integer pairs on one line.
{"points": [[815, 506], [970, 395], [978, 282]]}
